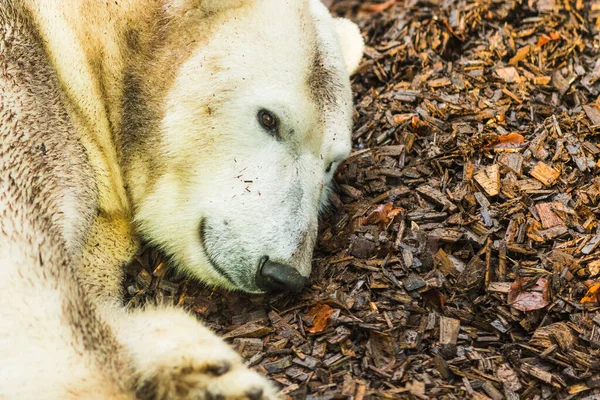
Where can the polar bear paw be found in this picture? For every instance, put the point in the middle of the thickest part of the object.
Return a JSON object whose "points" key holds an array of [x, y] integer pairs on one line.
{"points": [[177, 358], [206, 379]]}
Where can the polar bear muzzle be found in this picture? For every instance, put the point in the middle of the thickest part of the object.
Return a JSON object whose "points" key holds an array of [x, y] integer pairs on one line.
{"points": [[246, 272]]}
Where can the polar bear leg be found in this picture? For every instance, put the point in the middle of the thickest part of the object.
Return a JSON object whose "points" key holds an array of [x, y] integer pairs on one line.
{"points": [[110, 245], [176, 357]]}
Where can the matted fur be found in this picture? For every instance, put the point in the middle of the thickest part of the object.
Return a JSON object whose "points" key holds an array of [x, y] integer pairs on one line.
{"points": [[132, 119]]}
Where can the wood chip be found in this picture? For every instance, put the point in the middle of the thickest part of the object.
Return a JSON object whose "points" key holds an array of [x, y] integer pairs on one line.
{"points": [[437, 196], [544, 173], [547, 215], [537, 373], [593, 113], [520, 56], [449, 329], [508, 74], [249, 330], [499, 287], [513, 161], [489, 180]]}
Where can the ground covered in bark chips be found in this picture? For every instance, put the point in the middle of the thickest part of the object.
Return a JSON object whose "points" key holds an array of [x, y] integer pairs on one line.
{"points": [[461, 255]]}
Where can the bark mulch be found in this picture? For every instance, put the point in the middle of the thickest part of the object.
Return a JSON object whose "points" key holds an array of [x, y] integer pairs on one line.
{"points": [[460, 257]]}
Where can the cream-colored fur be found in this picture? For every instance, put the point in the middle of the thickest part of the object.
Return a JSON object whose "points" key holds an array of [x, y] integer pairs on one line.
{"points": [[133, 120]]}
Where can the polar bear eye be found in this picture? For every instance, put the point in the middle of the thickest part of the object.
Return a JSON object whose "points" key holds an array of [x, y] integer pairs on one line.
{"points": [[268, 120]]}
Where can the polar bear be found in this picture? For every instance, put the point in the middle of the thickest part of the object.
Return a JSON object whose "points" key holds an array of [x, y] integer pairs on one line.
{"points": [[209, 128]]}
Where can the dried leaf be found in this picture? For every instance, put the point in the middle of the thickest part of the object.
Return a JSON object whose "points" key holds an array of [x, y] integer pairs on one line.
{"points": [[377, 8], [592, 295], [547, 38], [543, 40], [384, 214], [507, 142], [320, 315], [531, 298]]}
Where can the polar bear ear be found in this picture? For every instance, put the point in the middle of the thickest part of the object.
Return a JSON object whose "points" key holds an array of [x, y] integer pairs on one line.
{"points": [[351, 41]]}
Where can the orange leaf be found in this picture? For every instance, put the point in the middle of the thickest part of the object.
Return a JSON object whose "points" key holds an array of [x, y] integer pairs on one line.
{"points": [[543, 40], [416, 121], [384, 213], [507, 142], [377, 8], [592, 295], [320, 314], [511, 139]]}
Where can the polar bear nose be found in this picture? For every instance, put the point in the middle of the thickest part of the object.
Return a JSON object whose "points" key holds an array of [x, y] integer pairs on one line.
{"points": [[275, 277]]}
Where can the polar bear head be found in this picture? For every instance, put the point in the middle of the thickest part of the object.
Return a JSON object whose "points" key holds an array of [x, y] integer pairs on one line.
{"points": [[251, 130]]}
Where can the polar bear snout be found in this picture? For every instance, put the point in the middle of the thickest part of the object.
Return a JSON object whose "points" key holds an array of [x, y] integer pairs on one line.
{"points": [[275, 277], [255, 266]]}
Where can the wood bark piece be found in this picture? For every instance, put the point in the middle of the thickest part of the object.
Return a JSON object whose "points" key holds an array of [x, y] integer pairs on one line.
{"points": [[513, 161], [489, 180], [449, 328], [591, 245], [508, 74], [593, 113], [448, 264], [547, 215], [437, 196], [544, 173], [536, 372], [249, 330]]}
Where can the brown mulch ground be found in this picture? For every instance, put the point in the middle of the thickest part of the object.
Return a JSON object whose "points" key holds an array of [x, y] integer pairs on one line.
{"points": [[461, 255]]}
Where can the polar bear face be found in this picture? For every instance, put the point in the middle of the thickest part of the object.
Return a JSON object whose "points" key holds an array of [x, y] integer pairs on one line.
{"points": [[255, 124]]}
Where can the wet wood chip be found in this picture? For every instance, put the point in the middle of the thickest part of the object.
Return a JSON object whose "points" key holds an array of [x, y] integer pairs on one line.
{"points": [[537, 373]]}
